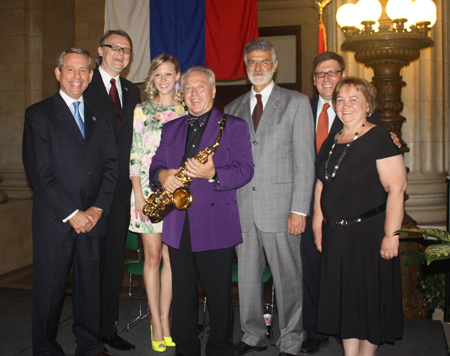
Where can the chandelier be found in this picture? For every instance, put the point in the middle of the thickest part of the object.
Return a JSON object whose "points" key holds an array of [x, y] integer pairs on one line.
{"points": [[401, 16], [387, 37]]}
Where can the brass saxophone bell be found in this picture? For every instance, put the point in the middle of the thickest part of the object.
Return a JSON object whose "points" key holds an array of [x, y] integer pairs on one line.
{"points": [[182, 198]]}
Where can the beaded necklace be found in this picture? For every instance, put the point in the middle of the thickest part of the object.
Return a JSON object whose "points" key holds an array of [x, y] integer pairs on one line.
{"points": [[330, 177]]}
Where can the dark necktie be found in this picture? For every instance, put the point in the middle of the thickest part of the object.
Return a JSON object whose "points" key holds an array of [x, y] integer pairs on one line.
{"points": [[77, 116], [322, 127], [114, 95], [257, 111]]}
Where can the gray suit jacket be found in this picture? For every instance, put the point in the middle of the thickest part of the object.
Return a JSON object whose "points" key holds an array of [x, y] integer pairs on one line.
{"points": [[283, 154]]}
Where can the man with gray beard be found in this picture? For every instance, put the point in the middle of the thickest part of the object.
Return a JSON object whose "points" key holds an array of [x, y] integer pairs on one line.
{"points": [[274, 205]]}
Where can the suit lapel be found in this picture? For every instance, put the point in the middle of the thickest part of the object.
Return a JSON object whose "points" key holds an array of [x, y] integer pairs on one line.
{"points": [[89, 122], [209, 136], [270, 109], [244, 112], [125, 109], [64, 114], [98, 84], [314, 103], [180, 141], [337, 125], [125, 93], [211, 130]]}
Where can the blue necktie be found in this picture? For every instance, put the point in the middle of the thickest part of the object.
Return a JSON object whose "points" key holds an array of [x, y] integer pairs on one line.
{"points": [[76, 114]]}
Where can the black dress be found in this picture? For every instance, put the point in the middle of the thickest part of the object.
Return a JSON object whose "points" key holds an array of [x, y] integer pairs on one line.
{"points": [[360, 292]]}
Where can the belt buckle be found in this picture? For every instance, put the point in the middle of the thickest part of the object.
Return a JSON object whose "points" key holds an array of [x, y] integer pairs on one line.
{"points": [[343, 222]]}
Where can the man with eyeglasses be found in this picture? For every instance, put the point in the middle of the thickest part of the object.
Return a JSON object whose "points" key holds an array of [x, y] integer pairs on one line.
{"points": [[328, 69], [120, 97], [274, 205]]}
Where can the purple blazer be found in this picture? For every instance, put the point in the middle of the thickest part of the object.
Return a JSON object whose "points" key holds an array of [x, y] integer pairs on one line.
{"points": [[213, 216]]}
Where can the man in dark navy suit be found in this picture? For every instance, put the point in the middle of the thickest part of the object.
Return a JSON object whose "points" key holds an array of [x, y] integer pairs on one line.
{"points": [[70, 157], [119, 96]]}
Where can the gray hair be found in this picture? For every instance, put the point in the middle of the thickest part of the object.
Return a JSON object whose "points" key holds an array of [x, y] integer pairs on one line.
{"points": [[209, 73], [75, 50], [261, 45]]}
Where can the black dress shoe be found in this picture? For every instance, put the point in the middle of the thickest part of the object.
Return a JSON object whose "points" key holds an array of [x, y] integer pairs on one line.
{"points": [[311, 346], [116, 342], [241, 348], [285, 354]]}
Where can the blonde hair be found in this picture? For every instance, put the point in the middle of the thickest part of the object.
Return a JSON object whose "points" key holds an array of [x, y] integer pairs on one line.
{"points": [[149, 85]]}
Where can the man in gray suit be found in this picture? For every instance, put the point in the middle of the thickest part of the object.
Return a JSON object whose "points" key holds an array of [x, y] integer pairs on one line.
{"points": [[274, 205]]}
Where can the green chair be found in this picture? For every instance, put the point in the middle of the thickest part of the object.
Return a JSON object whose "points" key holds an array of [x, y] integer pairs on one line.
{"points": [[135, 268]]}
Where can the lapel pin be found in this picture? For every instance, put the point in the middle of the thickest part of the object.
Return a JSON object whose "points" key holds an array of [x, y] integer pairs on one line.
{"points": [[275, 106], [126, 88], [94, 119]]}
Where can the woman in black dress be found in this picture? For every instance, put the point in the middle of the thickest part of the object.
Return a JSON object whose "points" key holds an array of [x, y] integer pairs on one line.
{"points": [[358, 207]]}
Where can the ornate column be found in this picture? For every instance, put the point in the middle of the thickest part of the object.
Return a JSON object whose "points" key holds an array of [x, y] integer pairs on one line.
{"points": [[424, 130]]}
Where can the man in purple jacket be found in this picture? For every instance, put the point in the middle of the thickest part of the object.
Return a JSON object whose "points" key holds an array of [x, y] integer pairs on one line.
{"points": [[201, 240]]}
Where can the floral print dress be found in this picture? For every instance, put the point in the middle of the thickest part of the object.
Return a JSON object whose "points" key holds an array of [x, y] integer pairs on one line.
{"points": [[149, 119]]}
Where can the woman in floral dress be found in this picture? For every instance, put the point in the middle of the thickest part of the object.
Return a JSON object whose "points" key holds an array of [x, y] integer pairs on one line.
{"points": [[163, 104]]}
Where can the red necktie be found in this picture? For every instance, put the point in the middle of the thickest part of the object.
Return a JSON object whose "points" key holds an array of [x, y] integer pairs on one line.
{"points": [[257, 111], [322, 127], [114, 95]]}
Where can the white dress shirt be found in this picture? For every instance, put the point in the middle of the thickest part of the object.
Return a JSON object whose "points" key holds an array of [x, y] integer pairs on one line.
{"points": [[107, 82], [69, 102], [265, 93]]}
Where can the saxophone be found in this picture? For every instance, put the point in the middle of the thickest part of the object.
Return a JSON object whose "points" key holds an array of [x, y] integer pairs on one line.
{"points": [[161, 203]]}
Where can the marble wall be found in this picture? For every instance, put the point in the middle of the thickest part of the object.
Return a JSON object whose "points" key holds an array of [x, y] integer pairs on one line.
{"points": [[32, 33], [89, 24]]}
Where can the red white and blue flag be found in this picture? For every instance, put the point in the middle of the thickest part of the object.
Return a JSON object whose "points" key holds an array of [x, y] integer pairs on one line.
{"points": [[212, 33]]}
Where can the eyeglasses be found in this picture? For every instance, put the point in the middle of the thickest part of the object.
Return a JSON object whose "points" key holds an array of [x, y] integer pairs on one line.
{"points": [[263, 63], [118, 48], [331, 73]]}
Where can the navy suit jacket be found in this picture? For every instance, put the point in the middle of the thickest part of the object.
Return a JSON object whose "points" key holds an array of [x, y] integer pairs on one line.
{"points": [[96, 92], [213, 216], [68, 172]]}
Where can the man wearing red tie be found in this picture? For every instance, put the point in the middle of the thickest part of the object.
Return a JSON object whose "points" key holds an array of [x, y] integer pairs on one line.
{"points": [[119, 96], [328, 69]]}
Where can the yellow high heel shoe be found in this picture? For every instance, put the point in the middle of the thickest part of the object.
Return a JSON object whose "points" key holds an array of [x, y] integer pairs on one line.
{"points": [[158, 346], [168, 341]]}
